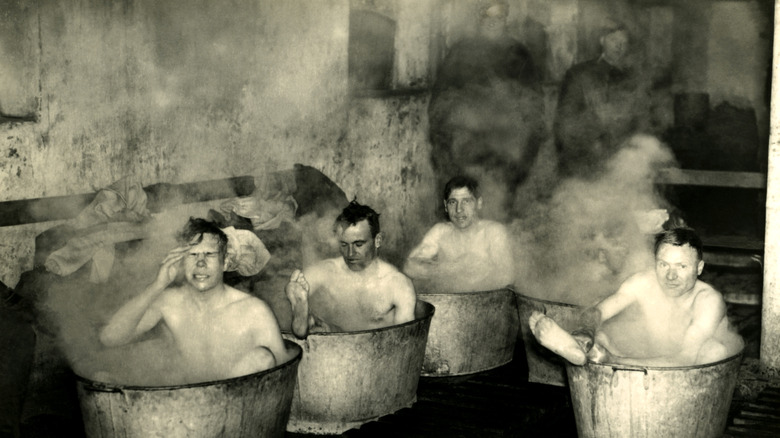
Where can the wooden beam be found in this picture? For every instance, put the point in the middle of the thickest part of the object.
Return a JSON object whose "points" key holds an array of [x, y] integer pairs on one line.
{"points": [[159, 196], [711, 178]]}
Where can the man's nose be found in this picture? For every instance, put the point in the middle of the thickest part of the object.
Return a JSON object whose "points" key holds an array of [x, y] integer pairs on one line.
{"points": [[350, 250], [671, 274], [459, 207], [201, 260]]}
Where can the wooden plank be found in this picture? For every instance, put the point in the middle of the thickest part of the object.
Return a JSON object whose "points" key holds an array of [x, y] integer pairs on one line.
{"points": [[711, 178], [160, 196]]}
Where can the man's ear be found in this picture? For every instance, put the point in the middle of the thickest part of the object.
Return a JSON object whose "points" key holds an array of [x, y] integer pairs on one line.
{"points": [[479, 203], [378, 240], [700, 267]]}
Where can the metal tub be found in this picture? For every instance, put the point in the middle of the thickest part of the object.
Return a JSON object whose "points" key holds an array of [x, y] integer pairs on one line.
{"points": [[544, 366], [248, 406], [472, 332], [620, 401], [346, 379]]}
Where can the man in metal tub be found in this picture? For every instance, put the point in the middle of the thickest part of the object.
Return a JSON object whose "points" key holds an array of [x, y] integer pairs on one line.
{"points": [[220, 332], [357, 291], [663, 316], [466, 253]]}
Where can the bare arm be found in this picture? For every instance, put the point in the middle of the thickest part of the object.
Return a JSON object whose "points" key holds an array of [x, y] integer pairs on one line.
{"points": [[268, 350], [139, 315], [591, 318], [268, 333], [709, 309], [405, 301], [501, 251], [424, 257]]}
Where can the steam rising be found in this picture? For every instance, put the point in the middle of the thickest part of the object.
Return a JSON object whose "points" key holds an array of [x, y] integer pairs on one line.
{"points": [[76, 310], [578, 246]]}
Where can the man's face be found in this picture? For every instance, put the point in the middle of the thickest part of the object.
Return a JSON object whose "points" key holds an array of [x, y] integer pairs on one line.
{"points": [[357, 246], [462, 207], [492, 23], [614, 47], [203, 265], [677, 268]]}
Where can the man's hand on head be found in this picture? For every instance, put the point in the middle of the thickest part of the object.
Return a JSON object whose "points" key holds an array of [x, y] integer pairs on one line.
{"points": [[171, 266]]}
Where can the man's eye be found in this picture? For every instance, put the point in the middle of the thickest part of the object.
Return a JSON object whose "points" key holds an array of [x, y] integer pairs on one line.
{"points": [[359, 244], [211, 255]]}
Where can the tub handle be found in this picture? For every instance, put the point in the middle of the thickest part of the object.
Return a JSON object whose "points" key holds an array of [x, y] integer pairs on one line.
{"points": [[629, 368], [645, 377], [105, 389]]}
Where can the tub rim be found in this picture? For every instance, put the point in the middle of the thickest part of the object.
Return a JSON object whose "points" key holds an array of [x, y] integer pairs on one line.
{"points": [[95, 385], [426, 308], [509, 288], [641, 368], [542, 300]]}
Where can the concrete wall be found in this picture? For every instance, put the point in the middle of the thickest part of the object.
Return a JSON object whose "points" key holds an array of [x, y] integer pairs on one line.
{"points": [[186, 91], [183, 91]]}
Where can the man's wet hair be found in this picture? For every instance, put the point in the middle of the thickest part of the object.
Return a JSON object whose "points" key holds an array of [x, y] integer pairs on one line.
{"points": [[356, 212], [197, 227], [459, 182], [680, 236]]}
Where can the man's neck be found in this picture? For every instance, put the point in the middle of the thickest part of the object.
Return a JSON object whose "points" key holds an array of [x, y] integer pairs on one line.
{"points": [[471, 229], [209, 298], [618, 64], [367, 272]]}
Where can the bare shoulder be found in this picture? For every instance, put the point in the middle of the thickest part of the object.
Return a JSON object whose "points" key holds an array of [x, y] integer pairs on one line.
{"points": [[321, 270], [638, 283], [170, 297], [439, 229], [249, 304], [707, 297], [494, 227], [392, 275]]}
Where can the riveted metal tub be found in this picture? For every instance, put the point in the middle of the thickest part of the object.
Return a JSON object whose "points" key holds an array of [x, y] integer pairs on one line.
{"points": [[471, 332], [346, 379], [544, 366], [621, 401], [248, 406]]}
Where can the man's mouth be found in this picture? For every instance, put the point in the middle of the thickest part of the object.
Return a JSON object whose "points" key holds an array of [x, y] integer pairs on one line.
{"points": [[200, 277]]}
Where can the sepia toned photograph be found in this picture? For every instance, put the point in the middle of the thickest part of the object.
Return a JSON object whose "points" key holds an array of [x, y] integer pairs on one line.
{"points": [[389, 218]]}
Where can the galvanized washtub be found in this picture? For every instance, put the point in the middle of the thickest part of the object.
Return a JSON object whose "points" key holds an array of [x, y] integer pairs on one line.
{"points": [[346, 379], [544, 366], [248, 406], [621, 401], [472, 332]]}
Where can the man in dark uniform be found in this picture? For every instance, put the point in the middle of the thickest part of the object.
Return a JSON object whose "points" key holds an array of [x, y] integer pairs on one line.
{"points": [[486, 111], [600, 105]]}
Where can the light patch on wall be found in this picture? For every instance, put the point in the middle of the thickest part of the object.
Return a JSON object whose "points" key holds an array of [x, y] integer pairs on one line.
{"points": [[737, 67], [18, 50]]}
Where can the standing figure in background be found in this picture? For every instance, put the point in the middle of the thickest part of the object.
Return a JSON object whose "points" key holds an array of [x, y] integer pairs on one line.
{"points": [[465, 254], [486, 111], [357, 291], [602, 102]]}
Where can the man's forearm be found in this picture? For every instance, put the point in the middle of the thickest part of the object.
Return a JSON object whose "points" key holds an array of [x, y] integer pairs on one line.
{"points": [[588, 322], [121, 328]]}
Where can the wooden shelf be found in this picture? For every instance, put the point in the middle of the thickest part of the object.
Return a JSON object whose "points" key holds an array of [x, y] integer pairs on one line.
{"points": [[711, 178]]}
